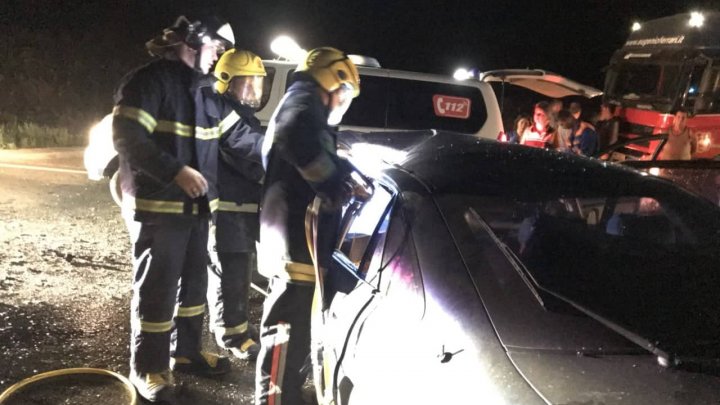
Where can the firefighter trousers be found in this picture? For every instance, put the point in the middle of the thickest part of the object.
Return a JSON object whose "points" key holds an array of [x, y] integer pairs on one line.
{"points": [[169, 286], [285, 343], [228, 292]]}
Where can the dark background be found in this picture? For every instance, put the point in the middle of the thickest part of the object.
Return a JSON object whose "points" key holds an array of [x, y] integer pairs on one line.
{"points": [[60, 60]]}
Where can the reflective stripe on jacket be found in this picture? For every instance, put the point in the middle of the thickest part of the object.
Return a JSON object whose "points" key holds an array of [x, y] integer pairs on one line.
{"points": [[240, 168], [301, 161], [159, 127]]}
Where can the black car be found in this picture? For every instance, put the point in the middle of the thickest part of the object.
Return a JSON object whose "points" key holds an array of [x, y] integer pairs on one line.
{"points": [[488, 273]]}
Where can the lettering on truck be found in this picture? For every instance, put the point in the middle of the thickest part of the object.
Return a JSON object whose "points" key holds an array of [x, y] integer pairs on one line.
{"points": [[666, 65]]}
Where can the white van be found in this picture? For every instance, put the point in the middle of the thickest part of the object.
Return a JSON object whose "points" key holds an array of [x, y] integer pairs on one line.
{"points": [[396, 100], [392, 100]]}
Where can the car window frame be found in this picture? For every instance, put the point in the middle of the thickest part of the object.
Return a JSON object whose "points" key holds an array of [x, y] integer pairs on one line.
{"points": [[372, 244], [268, 82]]}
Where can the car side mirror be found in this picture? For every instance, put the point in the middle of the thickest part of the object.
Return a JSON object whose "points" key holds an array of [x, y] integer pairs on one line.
{"points": [[343, 275]]}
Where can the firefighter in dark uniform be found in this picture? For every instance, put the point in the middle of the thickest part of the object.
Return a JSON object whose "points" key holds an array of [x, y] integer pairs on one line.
{"points": [[239, 80], [168, 165], [301, 162]]}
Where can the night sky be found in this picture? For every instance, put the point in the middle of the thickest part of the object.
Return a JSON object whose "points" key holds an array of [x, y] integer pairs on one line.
{"points": [[573, 38]]}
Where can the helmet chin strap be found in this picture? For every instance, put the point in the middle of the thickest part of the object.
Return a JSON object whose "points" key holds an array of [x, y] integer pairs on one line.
{"points": [[197, 66], [196, 57], [185, 53]]}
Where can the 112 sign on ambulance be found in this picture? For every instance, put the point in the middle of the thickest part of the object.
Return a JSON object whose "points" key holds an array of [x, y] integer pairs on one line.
{"points": [[454, 107], [392, 100]]}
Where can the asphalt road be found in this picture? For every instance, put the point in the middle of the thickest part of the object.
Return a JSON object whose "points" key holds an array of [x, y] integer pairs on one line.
{"points": [[65, 276]]}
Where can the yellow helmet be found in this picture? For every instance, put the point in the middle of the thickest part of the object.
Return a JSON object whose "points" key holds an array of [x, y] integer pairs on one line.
{"points": [[331, 68], [236, 62]]}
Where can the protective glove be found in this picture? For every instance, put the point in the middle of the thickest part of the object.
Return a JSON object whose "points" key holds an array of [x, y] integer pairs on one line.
{"points": [[336, 197]]}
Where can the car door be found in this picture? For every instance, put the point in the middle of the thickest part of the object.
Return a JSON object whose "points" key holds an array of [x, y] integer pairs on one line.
{"points": [[350, 294], [374, 321]]}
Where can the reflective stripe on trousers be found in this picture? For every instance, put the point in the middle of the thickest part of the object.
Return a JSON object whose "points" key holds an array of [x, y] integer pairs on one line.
{"points": [[165, 253], [227, 296], [285, 343]]}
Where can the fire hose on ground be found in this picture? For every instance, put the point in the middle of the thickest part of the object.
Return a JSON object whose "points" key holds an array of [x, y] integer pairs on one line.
{"points": [[129, 388]]}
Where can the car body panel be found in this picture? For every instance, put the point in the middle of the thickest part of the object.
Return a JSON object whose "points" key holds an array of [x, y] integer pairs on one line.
{"points": [[520, 321], [442, 341], [699, 176], [473, 332], [622, 380], [492, 166]]}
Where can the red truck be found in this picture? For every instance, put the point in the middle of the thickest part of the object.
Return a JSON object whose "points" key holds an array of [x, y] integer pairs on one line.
{"points": [[667, 64]]}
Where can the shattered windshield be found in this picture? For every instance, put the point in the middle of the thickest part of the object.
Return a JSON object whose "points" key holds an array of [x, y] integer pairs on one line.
{"points": [[644, 82], [646, 260]]}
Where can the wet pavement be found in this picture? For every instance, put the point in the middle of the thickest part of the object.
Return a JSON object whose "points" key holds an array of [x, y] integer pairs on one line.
{"points": [[65, 289]]}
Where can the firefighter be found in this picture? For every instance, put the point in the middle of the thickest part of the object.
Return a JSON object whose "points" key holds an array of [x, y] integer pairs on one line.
{"points": [[167, 176], [300, 153], [239, 75]]}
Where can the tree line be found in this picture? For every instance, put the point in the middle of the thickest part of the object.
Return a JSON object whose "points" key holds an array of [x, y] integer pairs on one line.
{"points": [[58, 79]]}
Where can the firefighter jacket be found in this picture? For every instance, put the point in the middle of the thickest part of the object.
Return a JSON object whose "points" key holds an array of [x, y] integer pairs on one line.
{"points": [[240, 170], [302, 161], [159, 126]]}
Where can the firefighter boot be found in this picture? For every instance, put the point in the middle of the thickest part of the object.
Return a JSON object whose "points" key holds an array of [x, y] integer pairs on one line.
{"points": [[154, 387], [203, 364], [248, 350]]}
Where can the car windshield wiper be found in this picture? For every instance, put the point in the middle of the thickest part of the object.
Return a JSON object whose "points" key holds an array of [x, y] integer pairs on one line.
{"points": [[664, 358], [517, 264], [535, 289]]}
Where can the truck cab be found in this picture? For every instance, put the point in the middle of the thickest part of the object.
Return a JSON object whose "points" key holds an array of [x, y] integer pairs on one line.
{"points": [[665, 65]]}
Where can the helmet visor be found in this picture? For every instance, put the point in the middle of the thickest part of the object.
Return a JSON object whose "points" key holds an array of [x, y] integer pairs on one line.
{"points": [[247, 90], [341, 100]]}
